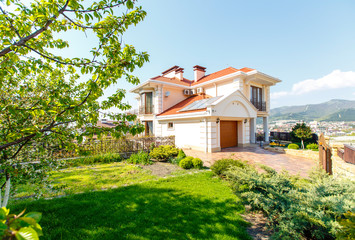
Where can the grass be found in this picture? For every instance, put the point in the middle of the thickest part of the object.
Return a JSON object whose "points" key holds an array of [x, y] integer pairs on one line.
{"points": [[193, 206], [88, 178]]}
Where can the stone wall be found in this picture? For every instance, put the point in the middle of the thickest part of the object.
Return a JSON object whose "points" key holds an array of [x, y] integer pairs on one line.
{"points": [[314, 155], [341, 168]]}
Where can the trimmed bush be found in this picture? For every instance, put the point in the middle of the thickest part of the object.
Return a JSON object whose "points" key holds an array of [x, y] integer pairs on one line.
{"points": [[186, 163], [293, 146], [221, 166], [140, 158], [197, 163], [164, 153], [313, 147]]}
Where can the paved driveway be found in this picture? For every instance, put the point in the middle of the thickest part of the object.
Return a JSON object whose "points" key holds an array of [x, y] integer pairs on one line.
{"points": [[257, 155]]}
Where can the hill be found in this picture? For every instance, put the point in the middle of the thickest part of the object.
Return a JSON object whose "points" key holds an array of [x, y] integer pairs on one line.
{"points": [[333, 110]]}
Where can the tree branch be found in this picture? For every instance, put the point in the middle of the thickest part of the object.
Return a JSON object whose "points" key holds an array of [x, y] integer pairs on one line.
{"points": [[97, 9], [80, 25], [23, 40]]}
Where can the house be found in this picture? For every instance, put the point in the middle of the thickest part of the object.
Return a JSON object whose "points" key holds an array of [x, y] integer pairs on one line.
{"points": [[210, 112]]}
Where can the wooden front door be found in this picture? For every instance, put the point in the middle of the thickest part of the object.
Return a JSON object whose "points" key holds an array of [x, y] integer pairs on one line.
{"points": [[229, 133]]}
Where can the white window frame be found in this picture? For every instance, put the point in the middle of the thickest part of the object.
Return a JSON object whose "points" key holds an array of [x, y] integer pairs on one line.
{"points": [[171, 128]]}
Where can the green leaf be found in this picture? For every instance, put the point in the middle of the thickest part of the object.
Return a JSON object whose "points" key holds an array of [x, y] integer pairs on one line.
{"points": [[3, 227], [27, 233], [2, 214], [35, 215], [28, 220]]}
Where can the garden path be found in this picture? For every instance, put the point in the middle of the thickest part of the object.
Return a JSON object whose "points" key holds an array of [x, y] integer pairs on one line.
{"points": [[257, 155]]}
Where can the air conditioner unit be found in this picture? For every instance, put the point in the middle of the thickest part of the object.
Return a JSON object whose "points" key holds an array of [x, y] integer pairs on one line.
{"points": [[199, 90], [187, 92], [193, 91]]}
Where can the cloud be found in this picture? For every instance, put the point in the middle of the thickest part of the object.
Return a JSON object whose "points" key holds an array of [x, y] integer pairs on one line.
{"points": [[334, 80]]}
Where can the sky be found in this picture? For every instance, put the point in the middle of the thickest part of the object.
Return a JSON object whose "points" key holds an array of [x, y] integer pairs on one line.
{"points": [[309, 45]]}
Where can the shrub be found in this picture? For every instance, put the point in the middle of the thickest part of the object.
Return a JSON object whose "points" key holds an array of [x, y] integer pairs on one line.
{"points": [[347, 223], [197, 163], [140, 158], [293, 146], [313, 147], [181, 154], [221, 166], [186, 163], [164, 152], [296, 208]]}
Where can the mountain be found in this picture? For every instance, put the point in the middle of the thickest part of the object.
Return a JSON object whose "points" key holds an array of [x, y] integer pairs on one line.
{"points": [[333, 110]]}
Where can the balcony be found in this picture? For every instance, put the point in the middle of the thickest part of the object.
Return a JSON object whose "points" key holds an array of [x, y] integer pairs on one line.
{"points": [[147, 109], [261, 106]]}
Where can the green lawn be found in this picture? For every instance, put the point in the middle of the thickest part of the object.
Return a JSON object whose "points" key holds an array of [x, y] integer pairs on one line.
{"points": [[88, 178], [193, 206]]}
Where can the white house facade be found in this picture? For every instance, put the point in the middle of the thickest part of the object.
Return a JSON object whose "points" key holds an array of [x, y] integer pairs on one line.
{"points": [[208, 113]]}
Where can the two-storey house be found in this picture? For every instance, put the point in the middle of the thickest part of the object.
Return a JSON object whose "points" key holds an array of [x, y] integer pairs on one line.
{"points": [[208, 113]]}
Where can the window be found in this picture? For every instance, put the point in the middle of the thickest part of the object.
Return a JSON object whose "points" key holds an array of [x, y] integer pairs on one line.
{"points": [[170, 125], [256, 98], [146, 103]]}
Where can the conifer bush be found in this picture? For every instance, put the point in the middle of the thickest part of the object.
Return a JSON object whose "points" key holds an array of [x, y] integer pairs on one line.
{"points": [[296, 208], [221, 166]]}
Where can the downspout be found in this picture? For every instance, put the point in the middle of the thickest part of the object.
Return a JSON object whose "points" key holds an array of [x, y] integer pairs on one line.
{"points": [[206, 133], [215, 86]]}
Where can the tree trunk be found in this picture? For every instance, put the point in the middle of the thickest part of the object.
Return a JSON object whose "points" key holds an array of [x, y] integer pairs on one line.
{"points": [[7, 191], [302, 144]]}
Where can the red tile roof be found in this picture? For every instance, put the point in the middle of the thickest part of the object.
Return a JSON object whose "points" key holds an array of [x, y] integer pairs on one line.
{"points": [[184, 82], [209, 77], [176, 108]]}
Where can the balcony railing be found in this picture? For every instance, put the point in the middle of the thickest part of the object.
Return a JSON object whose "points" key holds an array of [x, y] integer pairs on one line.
{"points": [[147, 109], [261, 106]]}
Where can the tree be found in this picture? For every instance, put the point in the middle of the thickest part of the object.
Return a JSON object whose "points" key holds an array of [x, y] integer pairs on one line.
{"points": [[302, 131], [48, 100]]}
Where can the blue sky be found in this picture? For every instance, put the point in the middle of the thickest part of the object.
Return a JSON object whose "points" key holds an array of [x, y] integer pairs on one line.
{"points": [[291, 40], [309, 45]]}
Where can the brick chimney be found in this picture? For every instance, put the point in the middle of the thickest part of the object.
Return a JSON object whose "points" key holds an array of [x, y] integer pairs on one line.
{"points": [[179, 74], [199, 72]]}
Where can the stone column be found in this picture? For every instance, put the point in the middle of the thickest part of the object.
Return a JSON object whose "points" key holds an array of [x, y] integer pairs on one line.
{"points": [[252, 130], [266, 128]]}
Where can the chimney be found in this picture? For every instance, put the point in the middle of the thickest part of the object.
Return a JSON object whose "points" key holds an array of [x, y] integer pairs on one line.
{"points": [[179, 74], [199, 72]]}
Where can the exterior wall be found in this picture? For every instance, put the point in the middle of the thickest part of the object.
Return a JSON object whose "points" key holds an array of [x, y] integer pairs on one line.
{"points": [[176, 95], [188, 134]]}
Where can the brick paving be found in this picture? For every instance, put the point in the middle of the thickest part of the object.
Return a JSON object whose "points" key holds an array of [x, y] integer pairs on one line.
{"points": [[257, 155]]}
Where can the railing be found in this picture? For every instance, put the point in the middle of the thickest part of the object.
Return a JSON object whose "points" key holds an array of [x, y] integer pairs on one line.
{"points": [[147, 109], [261, 106]]}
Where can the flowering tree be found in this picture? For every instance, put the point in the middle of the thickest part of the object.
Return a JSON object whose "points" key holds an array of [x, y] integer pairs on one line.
{"points": [[49, 100]]}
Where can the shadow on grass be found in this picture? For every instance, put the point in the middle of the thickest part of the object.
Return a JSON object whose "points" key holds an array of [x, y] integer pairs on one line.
{"points": [[139, 212]]}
